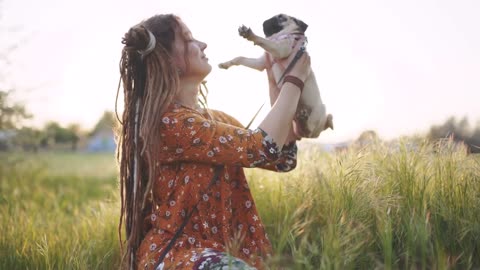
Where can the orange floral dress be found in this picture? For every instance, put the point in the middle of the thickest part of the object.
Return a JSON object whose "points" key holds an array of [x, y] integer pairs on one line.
{"points": [[226, 219]]}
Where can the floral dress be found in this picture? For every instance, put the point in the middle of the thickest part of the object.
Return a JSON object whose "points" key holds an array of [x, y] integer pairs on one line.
{"points": [[226, 219]]}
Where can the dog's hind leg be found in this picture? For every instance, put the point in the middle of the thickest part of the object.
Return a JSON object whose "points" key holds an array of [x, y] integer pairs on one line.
{"points": [[329, 122]]}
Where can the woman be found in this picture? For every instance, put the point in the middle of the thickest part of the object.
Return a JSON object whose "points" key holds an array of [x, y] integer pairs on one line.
{"points": [[185, 200]]}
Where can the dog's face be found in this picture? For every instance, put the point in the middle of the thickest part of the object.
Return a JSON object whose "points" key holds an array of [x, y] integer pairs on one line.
{"points": [[283, 23]]}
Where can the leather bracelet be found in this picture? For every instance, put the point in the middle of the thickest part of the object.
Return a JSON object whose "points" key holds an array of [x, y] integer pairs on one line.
{"points": [[294, 80]]}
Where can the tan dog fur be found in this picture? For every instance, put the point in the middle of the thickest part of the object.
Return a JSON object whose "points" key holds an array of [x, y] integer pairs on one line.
{"points": [[311, 118]]}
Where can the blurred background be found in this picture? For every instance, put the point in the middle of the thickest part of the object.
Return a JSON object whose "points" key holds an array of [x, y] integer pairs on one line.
{"points": [[392, 68], [381, 191]]}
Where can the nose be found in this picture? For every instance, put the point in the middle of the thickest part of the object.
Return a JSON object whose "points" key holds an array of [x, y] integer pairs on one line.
{"points": [[203, 45]]}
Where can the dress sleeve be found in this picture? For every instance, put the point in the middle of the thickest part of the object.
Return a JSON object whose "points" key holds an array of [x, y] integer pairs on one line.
{"points": [[287, 160], [189, 136]]}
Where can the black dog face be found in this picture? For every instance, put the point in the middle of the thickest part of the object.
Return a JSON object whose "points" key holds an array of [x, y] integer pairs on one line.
{"points": [[279, 22]]}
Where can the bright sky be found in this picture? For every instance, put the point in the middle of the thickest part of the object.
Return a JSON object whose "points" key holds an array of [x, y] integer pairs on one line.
{"points": [[396, 67]]}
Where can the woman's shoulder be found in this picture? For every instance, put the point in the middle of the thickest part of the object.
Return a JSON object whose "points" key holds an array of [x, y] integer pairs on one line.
{"points": [[223, 117], [178, 112]]}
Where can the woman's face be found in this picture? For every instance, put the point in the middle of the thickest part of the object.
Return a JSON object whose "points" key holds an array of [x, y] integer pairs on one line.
{"points": [[189, 55]]}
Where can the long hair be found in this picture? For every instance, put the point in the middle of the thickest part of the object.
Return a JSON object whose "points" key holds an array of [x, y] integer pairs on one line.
{"points": [[150, 83]]}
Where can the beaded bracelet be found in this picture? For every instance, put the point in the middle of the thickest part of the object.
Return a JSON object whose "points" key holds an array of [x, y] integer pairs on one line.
{"points": [[294, 80]]}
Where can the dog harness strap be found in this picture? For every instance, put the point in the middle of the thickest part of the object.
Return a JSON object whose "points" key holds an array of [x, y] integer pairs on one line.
{"points": [[216, 175], [255, 116], [294, 61], [297, 82]]}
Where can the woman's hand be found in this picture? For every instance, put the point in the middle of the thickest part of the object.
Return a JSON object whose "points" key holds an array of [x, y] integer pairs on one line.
{"points": [[278, 122], [301, 69]]}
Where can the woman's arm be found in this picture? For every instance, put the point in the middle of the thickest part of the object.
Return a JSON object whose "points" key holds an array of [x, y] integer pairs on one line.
{"points": [[287, 160], [277, 124], [188, 136]]}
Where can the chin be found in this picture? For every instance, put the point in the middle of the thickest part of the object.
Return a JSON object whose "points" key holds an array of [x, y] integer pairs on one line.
{"points": [[199, 71], [208, 69]]}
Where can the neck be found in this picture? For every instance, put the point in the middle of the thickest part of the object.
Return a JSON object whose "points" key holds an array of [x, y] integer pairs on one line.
{"points": [[188, 93]]}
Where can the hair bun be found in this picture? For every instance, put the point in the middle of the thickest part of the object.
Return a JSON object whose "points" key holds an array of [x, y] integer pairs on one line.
{"points": [[137, 38]]}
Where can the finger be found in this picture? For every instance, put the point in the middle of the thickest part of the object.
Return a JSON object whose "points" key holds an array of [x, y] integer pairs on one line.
{"points": [[300, 43], [304, 58], [301, 68]]}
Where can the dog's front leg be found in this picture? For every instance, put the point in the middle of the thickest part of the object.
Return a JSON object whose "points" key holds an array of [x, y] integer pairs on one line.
{"points": [[255, 63], [278, 49]]}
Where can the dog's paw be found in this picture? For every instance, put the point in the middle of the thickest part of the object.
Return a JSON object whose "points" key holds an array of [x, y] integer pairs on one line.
{"points": [[245, 32], [225, 65]]}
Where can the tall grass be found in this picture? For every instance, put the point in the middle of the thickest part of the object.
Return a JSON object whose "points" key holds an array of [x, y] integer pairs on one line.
{"points": [[408, 206], [54, 214]]}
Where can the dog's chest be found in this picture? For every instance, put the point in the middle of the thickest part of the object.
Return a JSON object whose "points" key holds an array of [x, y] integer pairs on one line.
{"points": [[276, 66]]}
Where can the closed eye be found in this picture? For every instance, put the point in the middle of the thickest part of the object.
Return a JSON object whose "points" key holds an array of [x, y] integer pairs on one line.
{"points": [[188, 36]]}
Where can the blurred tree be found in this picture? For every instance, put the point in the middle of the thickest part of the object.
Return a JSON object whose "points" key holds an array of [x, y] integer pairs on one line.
{"points": [[75, 133], [367, 137], [11, 114], [474, 141], [459, 130], [108, 122], [51, 130], [29, 139], [56, 134]]}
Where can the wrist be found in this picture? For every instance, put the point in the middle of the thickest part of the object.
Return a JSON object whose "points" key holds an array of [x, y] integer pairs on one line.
{"points": [[295, 81]]}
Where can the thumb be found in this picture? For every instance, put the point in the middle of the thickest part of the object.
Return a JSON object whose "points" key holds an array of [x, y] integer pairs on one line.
{"points": [[299, 45]]}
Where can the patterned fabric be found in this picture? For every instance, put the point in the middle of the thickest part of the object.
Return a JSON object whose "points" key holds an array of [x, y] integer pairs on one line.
{"points": [[210, 259], [192, 145]]}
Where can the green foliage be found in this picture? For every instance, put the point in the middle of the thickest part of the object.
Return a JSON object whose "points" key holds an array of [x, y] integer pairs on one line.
{"points": [[108, 122], [28, 138], [54, 134], [55, 215], [403, 206], [459, 131], [11, 114]]}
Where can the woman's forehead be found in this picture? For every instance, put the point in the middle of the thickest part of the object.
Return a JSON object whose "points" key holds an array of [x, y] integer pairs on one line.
{"points": [[184, 28]]}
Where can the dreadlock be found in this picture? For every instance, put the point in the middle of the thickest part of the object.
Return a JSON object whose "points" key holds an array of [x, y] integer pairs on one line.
{"points": [[149, 86]]}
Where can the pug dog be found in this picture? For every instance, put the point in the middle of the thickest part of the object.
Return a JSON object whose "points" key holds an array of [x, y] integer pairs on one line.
{"points": [[282, 33]]}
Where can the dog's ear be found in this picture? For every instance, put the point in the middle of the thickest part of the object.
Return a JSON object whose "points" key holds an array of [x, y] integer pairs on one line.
{"points": [[303, 26], [272, 26]]}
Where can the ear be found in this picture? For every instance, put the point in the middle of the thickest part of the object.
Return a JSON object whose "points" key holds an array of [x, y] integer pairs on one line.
{"points": [[303, 26], [271, 26]]}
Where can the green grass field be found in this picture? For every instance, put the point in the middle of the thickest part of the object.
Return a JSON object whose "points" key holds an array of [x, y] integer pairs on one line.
{"points": [[59, 211], [375, 207]]}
